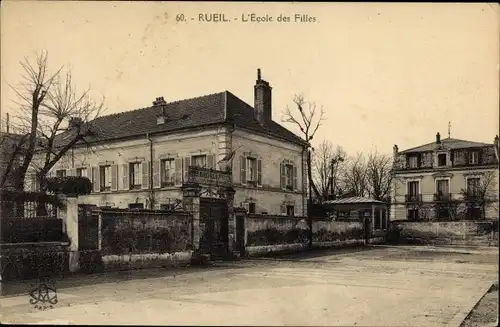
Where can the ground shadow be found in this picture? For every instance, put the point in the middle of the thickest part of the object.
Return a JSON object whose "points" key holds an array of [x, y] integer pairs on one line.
{"points": [[19, 287]]}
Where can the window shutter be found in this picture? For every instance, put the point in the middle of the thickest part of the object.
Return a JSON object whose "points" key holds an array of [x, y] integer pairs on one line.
{"points": [[243, 170], [114, 177], [126, 183], [145, 174], [259, 172], [283, 175], [211, 161], [187, 163], [95, 179], [178, 172], [295, 184], [156, 173]]}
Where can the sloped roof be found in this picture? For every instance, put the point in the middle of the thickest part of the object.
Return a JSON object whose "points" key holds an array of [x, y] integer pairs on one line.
{"points": [[222, 107], [353, 200], [447, 143]]}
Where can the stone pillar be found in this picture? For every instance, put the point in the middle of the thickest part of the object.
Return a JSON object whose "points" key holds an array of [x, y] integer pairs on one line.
{"points": [[231, 228], [241, 230], [191, 200], [99, 230], [70, 222]]}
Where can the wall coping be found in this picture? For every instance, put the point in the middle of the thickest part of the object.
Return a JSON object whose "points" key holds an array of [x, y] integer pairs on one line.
{"points": [[257, 215]]}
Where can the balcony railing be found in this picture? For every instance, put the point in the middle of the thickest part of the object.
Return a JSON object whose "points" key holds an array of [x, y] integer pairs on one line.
{"points": [[442, 197], [413, 198]]}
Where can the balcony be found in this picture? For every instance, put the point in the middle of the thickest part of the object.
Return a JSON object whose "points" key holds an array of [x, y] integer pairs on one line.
{"points": [[442, 197], [413, 198]]}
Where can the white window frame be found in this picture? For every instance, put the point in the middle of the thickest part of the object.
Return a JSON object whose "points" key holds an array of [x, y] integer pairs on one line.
{"points": [[105, 173], [170, 180], [137, 174], [251, 169], [446, 159], [81, 170], [414, 157], [194, 156], [413, 181], [473, 155], [442, 179]]}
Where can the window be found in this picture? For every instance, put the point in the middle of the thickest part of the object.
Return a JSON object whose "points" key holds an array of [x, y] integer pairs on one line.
{"points": [[473, 158], [473, 185], [413, 191], [61, 173], [412, 214], [289, 177], [251, 207], [105, 178], [442, 188], [251, 170], [442, 159], [290, 210], [81, 172], [167, 172], [413, 162], [199, 161], [135, 175]]}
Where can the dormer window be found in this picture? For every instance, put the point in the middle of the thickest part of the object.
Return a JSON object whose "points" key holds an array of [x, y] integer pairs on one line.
{"points": [[413, 161], [473, 158], [442, 159]]}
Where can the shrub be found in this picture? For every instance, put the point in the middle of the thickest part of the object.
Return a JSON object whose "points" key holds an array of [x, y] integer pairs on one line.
{"points": [[69, 185]]}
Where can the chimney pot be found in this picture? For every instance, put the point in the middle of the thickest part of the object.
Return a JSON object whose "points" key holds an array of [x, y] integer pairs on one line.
{"points": [[438, 138], [258, 74]]}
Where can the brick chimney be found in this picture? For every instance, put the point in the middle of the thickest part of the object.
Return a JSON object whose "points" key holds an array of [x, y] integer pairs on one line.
{"points": [[262, 100], [438, 138]]}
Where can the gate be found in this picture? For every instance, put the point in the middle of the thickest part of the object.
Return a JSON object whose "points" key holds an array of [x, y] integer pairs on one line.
{"points": [[88, 224], [214, 227]]}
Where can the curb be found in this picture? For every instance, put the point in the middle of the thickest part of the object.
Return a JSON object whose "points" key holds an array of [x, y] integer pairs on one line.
{"points": [[459, 319]]}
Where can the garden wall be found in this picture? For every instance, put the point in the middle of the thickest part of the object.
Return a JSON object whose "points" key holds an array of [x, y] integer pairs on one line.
{"points": [[271, 234], [145, 238], [479, 233]]}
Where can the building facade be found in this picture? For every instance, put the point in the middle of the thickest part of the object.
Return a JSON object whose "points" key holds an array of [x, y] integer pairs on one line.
{"points": [[140, 158], [446, 179]]}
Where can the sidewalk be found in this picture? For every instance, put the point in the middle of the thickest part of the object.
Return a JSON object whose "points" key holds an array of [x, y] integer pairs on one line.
{"points": [[20, 287]]}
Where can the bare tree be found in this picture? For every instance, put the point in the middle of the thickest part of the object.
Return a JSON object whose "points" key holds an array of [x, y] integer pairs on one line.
{"points": [[308, 120], [355, 182], [48, 106], [327, 163], [482, 194], [32, 92], [379, 176]]}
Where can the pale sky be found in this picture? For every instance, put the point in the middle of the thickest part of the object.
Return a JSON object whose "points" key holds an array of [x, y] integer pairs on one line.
{"points": [[384, 73]]}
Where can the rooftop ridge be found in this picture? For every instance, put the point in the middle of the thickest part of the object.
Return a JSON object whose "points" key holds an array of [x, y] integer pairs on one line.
{"points": [[172, 102]]}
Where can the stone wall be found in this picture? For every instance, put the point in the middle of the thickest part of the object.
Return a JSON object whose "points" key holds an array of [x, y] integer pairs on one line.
{"points": [[145, 238], [278, 234], [480, 233]]}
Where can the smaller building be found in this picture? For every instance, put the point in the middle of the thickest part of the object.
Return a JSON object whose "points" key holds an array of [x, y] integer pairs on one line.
{"points": [[360, 208]]}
